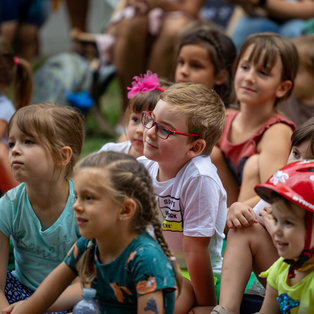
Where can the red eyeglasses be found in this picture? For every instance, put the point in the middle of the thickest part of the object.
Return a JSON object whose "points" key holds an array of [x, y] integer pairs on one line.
{"points": [[162, 130]]}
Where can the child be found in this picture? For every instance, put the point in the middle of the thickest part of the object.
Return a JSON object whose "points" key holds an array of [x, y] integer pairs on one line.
{"points": [[45, 141], [114, 205], [300, 106], [12, 71], [206, 55], [141, 99], [249, 246], [290, 280], [256, 140], [180, 133]]}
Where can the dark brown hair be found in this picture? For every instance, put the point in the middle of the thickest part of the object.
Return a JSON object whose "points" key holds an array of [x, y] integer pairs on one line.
{"points": [[267, 47], [18, 72]]}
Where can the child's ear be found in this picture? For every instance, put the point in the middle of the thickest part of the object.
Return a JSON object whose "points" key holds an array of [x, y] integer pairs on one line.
{"points": [[128, 209], [66, 155], [196, 148], [221, 77], [283, 88]]}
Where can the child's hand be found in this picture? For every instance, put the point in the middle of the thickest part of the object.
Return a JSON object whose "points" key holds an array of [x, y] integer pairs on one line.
{"points": [[13, 308], [267, 219], [240, 215]]}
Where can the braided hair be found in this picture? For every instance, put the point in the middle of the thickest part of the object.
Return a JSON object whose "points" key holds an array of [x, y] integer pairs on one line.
{"points": [[129, 179]]}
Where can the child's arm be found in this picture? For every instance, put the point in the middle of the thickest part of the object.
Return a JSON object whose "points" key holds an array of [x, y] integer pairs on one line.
{"points": [[150, 303], [199, 267], [4, 257], [48, 291], [274, 149], [270, 304]]}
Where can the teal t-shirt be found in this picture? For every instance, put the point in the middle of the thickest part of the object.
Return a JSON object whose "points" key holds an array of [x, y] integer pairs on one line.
{"points": [[37, 252], [141, 268]]}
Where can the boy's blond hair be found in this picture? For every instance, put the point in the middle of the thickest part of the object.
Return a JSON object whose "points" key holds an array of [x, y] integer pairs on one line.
{"points": [[203, 109]]}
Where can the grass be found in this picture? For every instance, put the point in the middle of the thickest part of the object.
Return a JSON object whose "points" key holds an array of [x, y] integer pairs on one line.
{"points": [[111, 109]]}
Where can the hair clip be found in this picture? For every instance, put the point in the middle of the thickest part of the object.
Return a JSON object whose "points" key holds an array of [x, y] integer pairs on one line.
{"points": [[144, 84], [16, 60], [172, 259]]}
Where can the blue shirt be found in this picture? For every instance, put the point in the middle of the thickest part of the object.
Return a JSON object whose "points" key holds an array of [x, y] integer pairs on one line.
{"points": [[37, 252]]}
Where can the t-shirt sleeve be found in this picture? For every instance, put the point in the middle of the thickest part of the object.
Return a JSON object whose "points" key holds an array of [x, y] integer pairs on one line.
{"points": [[272, 273], [7, 213], [75, 253], [202, 197], [150, 270]]}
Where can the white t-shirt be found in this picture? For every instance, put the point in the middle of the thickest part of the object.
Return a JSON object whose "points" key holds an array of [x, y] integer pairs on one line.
{"points": [[7, 110], [122, 147], [193, 203]]}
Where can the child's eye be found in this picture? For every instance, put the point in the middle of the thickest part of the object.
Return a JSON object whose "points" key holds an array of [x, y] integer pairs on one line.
{"points": [[275, 220], [136, 120], [296, 155], [289, 223], [28, 141], [196, 66], [180, 62], [263, 72], [11, 144], [89, 197]]}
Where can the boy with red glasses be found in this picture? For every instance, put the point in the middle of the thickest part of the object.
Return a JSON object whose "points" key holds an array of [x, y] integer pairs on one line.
{"points": [[179, 135]]}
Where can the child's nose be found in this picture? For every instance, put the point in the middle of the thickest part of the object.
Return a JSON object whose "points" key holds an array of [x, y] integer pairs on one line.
{"points": [[77, 206], [15, 149], [140, 128], [250, 75], [152, 132]]}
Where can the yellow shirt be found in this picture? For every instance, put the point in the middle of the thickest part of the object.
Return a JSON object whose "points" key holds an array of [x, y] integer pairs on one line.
{"points": [[296, 299]]}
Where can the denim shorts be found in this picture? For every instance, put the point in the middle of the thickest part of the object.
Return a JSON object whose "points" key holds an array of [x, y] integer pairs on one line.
{"points": [[32, 12]]}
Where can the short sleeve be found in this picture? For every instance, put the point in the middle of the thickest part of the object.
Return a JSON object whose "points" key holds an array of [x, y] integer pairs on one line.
{"points": [[151, 270], [8, 210], [202, 197], [272, 273], [75, 253]]}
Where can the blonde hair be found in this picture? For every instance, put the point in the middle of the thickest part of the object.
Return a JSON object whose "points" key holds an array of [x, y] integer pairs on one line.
{"points": [[127, 179], [54, 127], [267, 47], [203, 109]]}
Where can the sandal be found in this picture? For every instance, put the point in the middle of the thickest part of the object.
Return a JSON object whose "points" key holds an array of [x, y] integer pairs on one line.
{"points": [[218, 309]]}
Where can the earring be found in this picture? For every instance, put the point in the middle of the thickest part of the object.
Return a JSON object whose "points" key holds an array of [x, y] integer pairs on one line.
{"points": [[121, 218]]}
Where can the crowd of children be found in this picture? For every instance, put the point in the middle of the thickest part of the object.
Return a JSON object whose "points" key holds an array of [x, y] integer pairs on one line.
{"points": [[143, 221]]}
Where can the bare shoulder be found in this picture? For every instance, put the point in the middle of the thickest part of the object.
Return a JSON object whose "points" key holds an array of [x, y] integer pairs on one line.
{"points": [[277, 132]]}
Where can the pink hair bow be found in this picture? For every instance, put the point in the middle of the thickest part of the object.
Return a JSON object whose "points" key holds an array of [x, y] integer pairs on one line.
{"points": [[144, 84]]}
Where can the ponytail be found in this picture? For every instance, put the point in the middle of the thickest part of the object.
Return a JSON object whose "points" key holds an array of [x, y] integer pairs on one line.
{"points": [[23, 83]]}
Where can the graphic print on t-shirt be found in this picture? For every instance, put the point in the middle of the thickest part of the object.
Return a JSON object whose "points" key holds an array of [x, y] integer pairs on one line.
{"points": [[172, 215]]}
